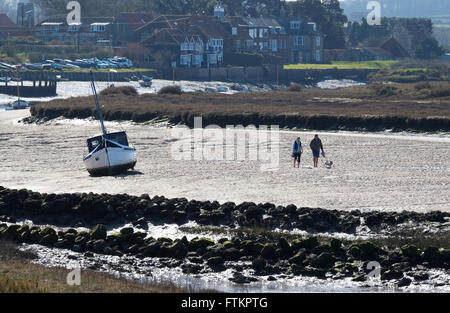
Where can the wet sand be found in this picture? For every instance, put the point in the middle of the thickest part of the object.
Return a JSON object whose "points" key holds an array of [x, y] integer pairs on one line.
{"points": [[371, 171]]}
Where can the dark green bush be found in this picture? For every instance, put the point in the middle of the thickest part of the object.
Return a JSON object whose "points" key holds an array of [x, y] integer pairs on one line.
{"points": [[174, 90], [243, 59], [126, 90]]}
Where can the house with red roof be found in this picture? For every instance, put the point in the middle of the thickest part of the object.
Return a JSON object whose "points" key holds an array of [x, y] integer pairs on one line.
{"points": [[9, 29]]}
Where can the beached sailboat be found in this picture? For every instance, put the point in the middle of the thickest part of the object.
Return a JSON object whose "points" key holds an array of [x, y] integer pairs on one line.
{"points": [[109, 153]]}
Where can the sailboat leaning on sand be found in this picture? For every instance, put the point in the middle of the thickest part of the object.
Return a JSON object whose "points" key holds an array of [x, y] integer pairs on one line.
{"points": [[109, 153]]}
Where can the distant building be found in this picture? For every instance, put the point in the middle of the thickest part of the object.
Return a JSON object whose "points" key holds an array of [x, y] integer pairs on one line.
{"points": [[25, 15], [9, 29], [287, 40], [390, 49], [219, 11], [92, 30], [126, 24]]}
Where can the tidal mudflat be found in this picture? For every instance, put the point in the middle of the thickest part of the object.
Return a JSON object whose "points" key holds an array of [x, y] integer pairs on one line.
{"points": [[381, 184]]}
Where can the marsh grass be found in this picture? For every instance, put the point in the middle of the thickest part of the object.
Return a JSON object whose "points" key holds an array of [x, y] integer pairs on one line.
{"points": [[19, 275], [393, 241]]}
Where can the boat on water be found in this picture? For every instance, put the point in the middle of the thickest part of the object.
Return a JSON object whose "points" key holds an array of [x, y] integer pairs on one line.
{"points": [[109, 153]]}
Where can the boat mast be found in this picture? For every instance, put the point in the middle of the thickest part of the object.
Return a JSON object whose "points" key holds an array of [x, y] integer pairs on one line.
{"points": [[99, 110]]}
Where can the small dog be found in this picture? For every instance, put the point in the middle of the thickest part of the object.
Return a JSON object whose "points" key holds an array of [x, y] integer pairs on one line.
{"points": [[328, 164]]}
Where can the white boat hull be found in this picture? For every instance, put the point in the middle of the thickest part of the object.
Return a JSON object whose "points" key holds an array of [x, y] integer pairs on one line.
{"points": [[110, 161]]}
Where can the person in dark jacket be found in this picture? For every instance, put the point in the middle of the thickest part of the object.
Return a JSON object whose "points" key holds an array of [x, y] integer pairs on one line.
{"points": [[316, 146], [297, 150]]}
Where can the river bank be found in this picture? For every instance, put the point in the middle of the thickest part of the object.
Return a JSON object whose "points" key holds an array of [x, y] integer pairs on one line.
{"points": [[245, 257], [364, 108]]}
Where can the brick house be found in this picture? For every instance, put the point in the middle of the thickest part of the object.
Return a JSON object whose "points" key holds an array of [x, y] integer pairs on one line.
{"points": [[126, 24], [197, 40], [9, 29], [98, 31]]}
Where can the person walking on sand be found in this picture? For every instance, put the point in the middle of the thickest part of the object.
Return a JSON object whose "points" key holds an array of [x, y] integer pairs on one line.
{"points": [[297, 150], [316, 146]]}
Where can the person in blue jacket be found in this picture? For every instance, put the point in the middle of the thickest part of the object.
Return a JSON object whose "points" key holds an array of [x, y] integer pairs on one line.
{"points": [[297, 150]]}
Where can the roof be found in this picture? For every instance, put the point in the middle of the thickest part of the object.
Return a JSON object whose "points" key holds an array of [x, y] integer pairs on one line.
{"points": [[164, 21], [395, 48], [261, 22], [5, 21], [376, 51], [136, 19]]}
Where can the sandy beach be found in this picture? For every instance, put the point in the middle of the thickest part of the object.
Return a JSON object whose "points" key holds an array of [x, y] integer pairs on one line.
{"points": [[371, 171]]}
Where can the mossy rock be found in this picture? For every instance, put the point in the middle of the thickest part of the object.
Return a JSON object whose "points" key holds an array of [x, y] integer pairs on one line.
{"points": [[215, 261], [23, 228], [178, 249], [368, 249], [228, 244], [355, 251], [47, 231], [309, 243], [127, 231], [98, 232], [324, 260], [445, 255], [268, 251], [295, 269], [335, 244], [284, 246], [35, 236], [200, 243], [299, 257], [70, 237], [410, 251], [11, 232], [49, 240], [81, 240], [433, 256]]}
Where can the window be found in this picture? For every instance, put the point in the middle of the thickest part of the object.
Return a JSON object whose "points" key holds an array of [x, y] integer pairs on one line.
{"points": [[73, 27], [185, 59], [234, 31], [318, 55], [273, 45], [238, 44], [298, 41], [318, 41], [295, 24]]}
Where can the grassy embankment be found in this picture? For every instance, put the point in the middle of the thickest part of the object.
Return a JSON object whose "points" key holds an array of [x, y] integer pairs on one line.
{"points": [[343, 65], [422, 107], [19, 275], [403, 71]]}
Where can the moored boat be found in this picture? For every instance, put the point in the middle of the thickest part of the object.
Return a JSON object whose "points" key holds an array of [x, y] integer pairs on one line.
{"points": [[109, 153]]}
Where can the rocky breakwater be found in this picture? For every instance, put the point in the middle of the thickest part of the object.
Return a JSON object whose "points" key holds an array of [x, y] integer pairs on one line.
{"points": [[249, 255], [88, 209], [312, 256]]}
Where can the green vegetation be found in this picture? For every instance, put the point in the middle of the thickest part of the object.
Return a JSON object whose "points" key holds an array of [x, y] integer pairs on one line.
{"points": [[343, 65], [123, 90], [243, 59], [173, 90], [373, 107], [19, 275]]}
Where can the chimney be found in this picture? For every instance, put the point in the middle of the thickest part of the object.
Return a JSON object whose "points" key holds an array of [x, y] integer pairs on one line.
{"points": [[219, 11]]}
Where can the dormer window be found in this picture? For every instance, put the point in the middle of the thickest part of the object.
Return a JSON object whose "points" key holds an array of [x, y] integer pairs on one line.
{"points": [[295, 24], [99, 27], [74, 27]]}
